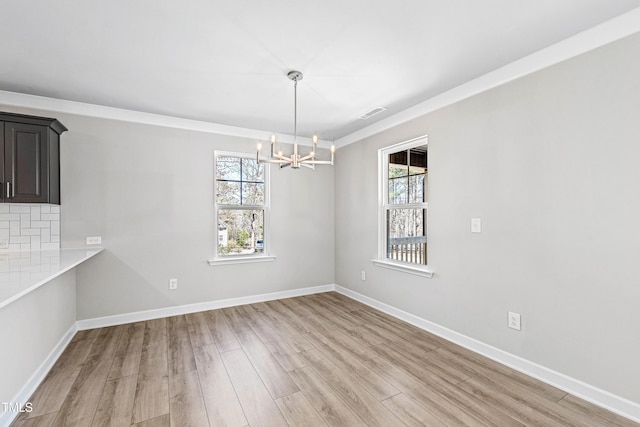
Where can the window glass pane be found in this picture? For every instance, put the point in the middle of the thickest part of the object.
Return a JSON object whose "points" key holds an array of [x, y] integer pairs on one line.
{"points": [[417, 160], [228, 192], [252, 194], [228, 168], [396, 171], [407, 170], [413, 170], [416, 189], [240, 232], [252, 170], [406, 235], [398, 190], [398, 164]]}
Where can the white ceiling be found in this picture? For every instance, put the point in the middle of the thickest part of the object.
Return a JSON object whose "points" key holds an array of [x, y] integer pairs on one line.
{"points": [[226, 61]]}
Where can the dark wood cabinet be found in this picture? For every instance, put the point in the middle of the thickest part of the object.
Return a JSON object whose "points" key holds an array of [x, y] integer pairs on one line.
{"points": [[29, 159]]}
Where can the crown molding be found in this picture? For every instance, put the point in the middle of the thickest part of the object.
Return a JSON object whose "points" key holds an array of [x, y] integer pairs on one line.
{"points": [[590, 39], [23, 100]]}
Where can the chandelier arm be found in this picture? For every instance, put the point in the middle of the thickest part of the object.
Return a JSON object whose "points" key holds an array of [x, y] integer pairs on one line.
{"points": [[319, 162], [295, 160], [275, 161], [306, 158]]}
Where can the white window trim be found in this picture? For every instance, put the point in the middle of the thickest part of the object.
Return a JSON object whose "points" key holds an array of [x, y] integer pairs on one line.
{"points": [[266, 255], [404, 267], [383, 199], [241, 259]]}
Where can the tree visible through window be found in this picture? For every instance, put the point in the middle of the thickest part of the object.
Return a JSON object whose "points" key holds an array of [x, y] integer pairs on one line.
{"points": [[405, 203], [240, 205]]}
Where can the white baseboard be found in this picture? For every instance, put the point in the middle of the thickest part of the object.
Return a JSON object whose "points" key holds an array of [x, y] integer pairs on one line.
{"points": [[602, 398], [6, 418], [139, 316]]}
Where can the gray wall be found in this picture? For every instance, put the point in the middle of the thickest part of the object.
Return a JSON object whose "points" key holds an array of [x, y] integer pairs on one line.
{"points": [[148, 191], [550, 162], [31, 327]]}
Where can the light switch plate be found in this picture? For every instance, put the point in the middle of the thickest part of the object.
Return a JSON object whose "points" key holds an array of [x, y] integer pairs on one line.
{"points": [[476, 225], [94, 240]]}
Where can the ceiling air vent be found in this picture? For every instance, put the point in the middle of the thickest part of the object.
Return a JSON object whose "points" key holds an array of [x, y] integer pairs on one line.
{"points": [[372, 112]]}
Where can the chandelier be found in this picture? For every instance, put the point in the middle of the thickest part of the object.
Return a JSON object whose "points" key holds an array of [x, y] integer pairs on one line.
{"points": [[295, 160]]}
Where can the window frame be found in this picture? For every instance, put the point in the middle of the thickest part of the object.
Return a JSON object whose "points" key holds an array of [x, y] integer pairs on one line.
{"points": [[384, 206], [265, 255]]}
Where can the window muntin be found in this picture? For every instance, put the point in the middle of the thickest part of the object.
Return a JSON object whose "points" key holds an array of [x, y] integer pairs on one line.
{"points": [[241, 205], [403, 213], [239, 181]]}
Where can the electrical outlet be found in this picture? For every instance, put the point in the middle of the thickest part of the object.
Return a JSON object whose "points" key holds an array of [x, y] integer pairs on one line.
{"points": [[4, 244], [363, 275], [173, 284], [94, 240], [514, 321], [476, 225]]}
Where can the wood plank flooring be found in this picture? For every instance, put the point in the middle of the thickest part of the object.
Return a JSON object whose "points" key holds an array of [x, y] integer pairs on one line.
{"points": [[319, 360]]}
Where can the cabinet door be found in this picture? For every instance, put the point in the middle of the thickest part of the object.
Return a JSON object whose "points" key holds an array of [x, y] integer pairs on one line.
{"points": [[26, 165]]}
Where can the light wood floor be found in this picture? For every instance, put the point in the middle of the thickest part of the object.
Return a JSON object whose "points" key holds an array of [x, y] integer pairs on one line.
{"points": [[308, 361]]}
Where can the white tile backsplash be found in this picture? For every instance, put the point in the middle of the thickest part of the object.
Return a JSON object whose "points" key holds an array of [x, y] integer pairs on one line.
{"points": [[35, 213], [19, 208], [14, 228], [29, 227]]}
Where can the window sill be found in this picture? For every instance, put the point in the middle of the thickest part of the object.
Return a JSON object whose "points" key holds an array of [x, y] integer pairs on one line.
{"points": [[406, 268], [241, 260]]}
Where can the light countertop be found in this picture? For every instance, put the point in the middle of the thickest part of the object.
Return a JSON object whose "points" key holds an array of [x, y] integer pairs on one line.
{"points": [[23, 272]]}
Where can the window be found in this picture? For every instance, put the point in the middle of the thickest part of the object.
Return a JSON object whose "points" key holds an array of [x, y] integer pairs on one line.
{"points": [[403, 206], [241, 206]]}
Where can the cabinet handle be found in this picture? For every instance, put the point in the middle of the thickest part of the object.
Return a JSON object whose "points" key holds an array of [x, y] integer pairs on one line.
{"points": [[8, 190]]}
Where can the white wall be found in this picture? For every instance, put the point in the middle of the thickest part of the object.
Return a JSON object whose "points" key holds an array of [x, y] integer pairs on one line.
{"points": [[550, 162], [31, 327], [148, 191]]}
